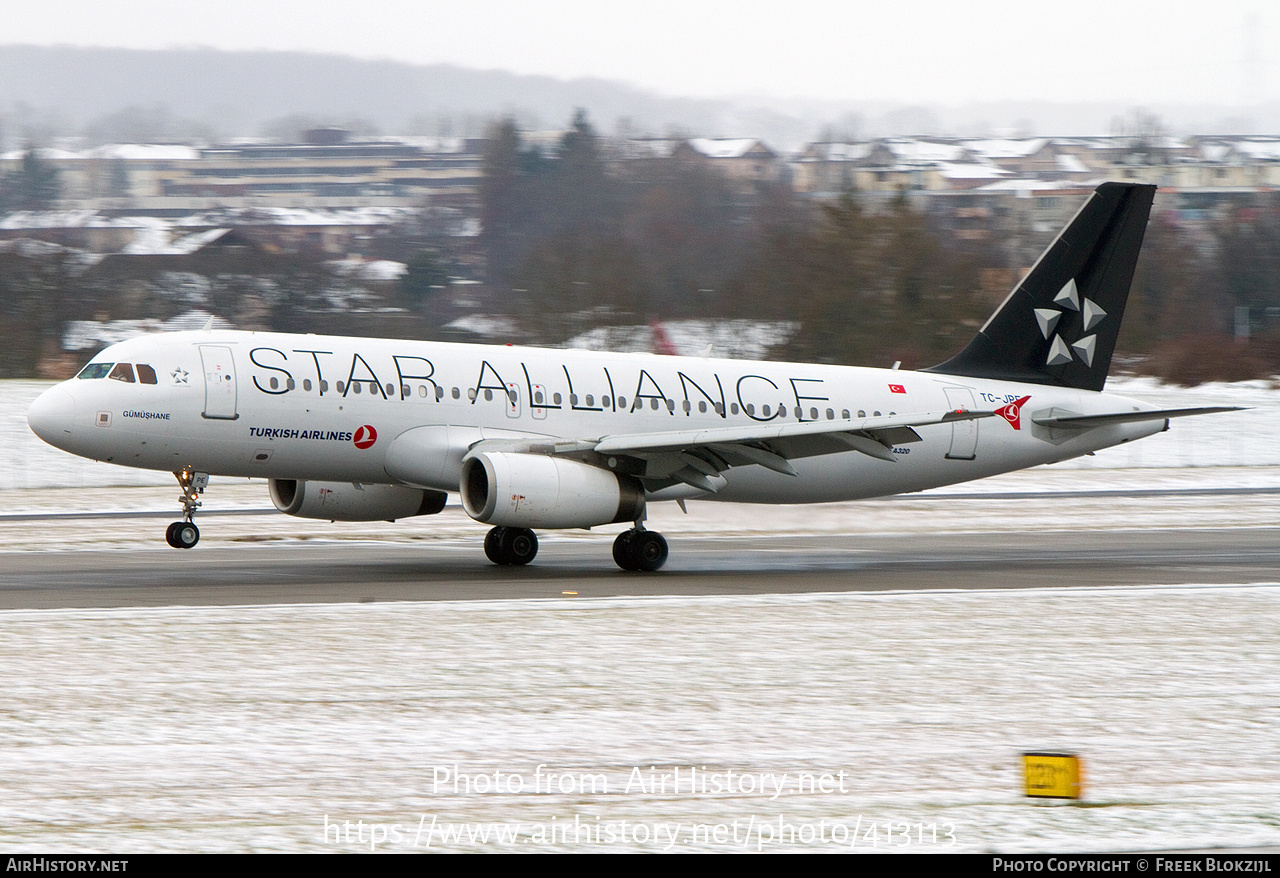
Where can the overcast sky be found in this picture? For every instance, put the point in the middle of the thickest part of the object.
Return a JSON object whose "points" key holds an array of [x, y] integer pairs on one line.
{"points": [[946, 51]]}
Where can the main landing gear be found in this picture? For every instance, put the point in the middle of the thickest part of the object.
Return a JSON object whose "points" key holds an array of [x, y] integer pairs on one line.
{"points": [[635, 549], [640, 549], [511, 546], [184, 534]]}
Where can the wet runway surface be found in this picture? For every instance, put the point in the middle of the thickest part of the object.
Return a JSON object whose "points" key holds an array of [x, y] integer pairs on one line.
{"points": [[315, 571]]}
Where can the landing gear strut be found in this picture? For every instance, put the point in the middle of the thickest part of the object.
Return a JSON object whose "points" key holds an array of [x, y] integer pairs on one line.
{"points": [[640, 549], [511, 546], [184, 534]]}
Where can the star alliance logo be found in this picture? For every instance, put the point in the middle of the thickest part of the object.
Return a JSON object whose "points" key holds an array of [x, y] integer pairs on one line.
{"points": [[1060, 353], [179, 375]]}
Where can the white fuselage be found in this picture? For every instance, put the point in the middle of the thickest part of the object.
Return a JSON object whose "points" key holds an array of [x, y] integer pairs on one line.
{"points": [[321, 408]]}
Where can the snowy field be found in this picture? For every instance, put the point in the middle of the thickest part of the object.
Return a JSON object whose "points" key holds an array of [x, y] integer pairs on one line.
{"points": [[246, 729], [851, 721]]}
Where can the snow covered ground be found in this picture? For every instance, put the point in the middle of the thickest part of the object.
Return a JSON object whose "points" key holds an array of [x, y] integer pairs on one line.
{"points": [[881, 721], [871, 722]]}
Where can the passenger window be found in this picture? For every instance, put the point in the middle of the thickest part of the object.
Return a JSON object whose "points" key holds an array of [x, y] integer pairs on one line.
{"points": [[555, 398], [275, 383], [589, 400], [702, 407], [488, 395], [306, 384], [95, 370], [456, 394], [122, 372], [844, 413], [288, 383], [146, 374], [338, 386]]}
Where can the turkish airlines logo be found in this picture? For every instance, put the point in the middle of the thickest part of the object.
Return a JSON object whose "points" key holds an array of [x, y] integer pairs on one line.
{"points": [[897, 388], [1013, 412], [365, 437]]}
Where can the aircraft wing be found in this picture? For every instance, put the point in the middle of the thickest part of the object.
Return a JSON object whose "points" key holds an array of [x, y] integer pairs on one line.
{"points": [[695, 457]]}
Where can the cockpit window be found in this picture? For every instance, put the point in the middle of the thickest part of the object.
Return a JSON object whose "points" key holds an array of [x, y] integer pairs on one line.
{"points": [[95, 370], [122, 372], [146, 374]]}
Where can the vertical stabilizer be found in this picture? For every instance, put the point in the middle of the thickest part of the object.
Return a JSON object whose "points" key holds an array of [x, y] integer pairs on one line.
{"points": [[1059, 325]]}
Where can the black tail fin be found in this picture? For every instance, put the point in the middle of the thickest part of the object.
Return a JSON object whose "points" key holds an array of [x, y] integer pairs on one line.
{"points": [[1059, 325]]}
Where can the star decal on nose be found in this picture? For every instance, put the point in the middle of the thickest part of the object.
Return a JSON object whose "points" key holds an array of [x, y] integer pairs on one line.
{"points": [[179, 375], [1047, 319]]}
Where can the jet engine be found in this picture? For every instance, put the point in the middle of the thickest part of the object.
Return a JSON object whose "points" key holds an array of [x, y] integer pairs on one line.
{"points": [[344, 501], [533, 490]]}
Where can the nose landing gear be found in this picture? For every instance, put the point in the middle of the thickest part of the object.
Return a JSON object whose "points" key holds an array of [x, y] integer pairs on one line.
{"points": [[184, 534]]}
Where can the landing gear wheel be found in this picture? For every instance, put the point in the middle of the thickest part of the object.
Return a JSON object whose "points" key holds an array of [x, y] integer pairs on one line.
{"points": [[493, 543], [622, 550], [642, 550], [649, 551], [183, 534], [517, 546]]}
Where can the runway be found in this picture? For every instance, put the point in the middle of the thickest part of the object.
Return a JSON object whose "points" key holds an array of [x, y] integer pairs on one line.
{"points": [[314, 571]]}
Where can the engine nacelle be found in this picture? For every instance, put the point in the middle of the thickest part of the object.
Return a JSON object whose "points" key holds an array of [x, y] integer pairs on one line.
{"points": [[343, 501], [534, 490]]}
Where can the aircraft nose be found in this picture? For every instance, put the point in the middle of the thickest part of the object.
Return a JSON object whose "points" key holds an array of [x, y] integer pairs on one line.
{"points": [[51, 416]]}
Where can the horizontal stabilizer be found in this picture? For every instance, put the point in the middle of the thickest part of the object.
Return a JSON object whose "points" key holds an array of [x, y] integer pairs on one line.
{"points": [[1086, 422]]}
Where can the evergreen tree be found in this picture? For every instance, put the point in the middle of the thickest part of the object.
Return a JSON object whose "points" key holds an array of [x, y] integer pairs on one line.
{"points": [[426, 275], [33, 186]]}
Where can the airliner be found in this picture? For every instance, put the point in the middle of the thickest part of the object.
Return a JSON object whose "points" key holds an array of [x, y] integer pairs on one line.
{"points": [[360, 429]]}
